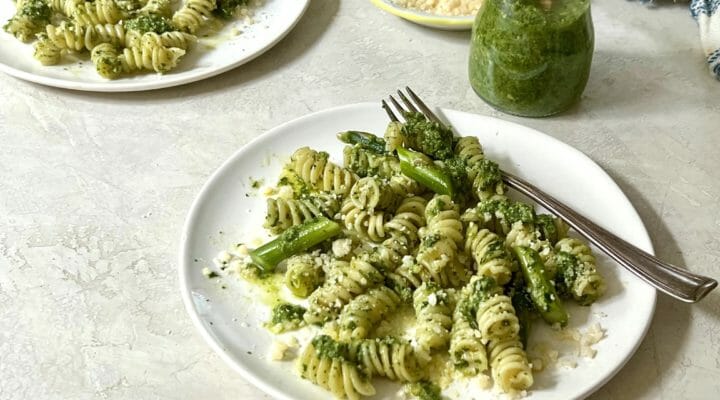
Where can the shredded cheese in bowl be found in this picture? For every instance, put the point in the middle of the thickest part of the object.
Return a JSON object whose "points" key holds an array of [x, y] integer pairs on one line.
{"points": [[443, 7]]}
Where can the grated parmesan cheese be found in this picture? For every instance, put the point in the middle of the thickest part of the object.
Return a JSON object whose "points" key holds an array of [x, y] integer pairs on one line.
{"points": [[443, 7]]}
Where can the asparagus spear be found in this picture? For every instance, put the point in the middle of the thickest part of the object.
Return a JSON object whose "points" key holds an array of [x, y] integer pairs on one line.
{"points": [[294, 240], [364, 139], [541, 291], [421, 168]]}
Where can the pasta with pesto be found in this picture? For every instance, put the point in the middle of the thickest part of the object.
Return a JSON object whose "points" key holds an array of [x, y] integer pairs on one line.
{"points": [[67, 30], [416, 282]]}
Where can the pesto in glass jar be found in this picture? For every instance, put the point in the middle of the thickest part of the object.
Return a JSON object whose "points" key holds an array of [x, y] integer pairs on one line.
{"points": [[531, 57]]}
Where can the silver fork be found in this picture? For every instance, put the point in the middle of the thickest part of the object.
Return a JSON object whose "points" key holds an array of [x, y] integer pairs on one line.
{"points": [[676, 282]]}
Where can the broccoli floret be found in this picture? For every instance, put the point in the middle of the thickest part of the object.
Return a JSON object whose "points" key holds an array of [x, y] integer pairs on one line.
{"points": [[431, 138], [226, 8], [150, 23]]}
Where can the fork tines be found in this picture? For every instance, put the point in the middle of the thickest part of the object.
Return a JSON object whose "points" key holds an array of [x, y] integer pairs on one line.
{"points": [[416, 105]]}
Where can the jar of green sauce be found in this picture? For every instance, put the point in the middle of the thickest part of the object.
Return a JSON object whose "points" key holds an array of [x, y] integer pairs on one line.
{"points": [[531, 57]]}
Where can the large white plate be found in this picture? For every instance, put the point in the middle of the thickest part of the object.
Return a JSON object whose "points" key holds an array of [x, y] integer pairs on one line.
{"points": [[211, 56], [228, 210]]}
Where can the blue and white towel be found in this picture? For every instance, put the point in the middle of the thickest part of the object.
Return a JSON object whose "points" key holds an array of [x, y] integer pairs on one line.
{"points": [[707, 14]]}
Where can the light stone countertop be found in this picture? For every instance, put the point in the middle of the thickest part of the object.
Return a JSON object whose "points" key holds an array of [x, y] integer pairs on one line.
{"points": [[94, 189]]}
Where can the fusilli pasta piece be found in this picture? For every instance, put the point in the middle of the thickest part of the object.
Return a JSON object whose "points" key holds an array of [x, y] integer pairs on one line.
{"points": [[348, 281], [467, 350], [499, 328], [369, 225], [66, 7], [393, 136], [316, 170], [370, 193], [433, 311], [483, 173], [324, 362], [159, 7], [97, 12], [30, 18], [489, 252], [577, 273], [75, 37], [46, 51], [193, 14], [364, 163], [390, 357], [303, 275], [362, 313], [283, 213], [443, 236]]}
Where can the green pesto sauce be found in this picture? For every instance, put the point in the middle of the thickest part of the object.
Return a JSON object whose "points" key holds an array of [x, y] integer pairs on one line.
{"points": [[425, 390], [529, 59], [326, 347], [489, 175], [428, 137], [226, 8], [286, 312], [37, 10], [150, 23]]}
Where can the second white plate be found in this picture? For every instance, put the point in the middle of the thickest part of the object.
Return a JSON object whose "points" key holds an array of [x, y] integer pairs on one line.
{"points": [[228, 210], [234, 45]]}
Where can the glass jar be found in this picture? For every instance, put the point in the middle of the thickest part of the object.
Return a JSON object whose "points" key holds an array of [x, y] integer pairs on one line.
{"points": [[531, 57]]}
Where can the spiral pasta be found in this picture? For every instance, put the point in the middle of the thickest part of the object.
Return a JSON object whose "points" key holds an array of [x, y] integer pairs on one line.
{"points": [[364, 163], [324, 362], [303, 275], [75, 37], [389, 357], [283, 213], [369, 193], [489, 253], [158, 7], [193, 14], [46, 51], [393, 136], [362, 313], [97, 12], [366, 224], [499, 328], [433, 311], [181, 40], [316, 170], [577, 273], [509, 364], [66, 7], [30, 18], [467, 350], [348, 281], [483, 173], [443, 236]]}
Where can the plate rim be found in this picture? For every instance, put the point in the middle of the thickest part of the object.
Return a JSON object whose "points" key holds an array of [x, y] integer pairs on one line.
{"points": [[251, 376], [127, 87]]}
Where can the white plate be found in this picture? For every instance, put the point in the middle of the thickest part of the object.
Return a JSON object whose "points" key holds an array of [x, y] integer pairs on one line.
{"points": [[444, 22], [228, 210], [211, 56]]}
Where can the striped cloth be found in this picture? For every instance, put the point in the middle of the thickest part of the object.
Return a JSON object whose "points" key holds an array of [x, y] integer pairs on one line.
{"points": [[707, 15]]}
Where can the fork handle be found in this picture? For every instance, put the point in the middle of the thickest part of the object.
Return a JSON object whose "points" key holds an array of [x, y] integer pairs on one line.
{"points": [[676, 282]]}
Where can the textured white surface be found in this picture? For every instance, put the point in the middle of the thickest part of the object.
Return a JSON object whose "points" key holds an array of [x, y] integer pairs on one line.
{"points": [[94, 189]]}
